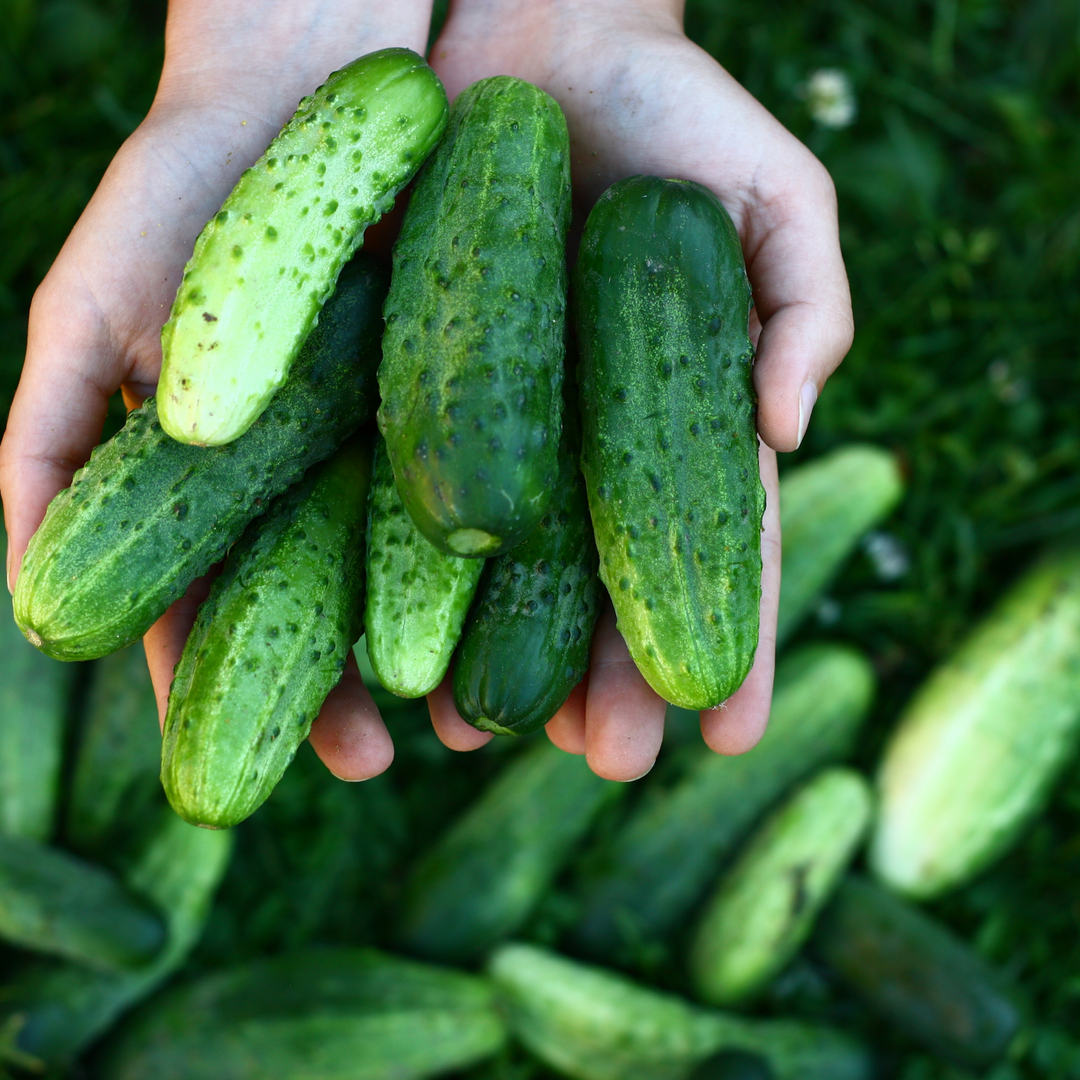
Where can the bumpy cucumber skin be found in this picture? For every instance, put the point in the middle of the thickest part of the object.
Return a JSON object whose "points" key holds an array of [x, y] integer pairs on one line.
{"points": [[526, 644], [473, 351], [268, 645], [266, 263], [417, 596], [670, 451], [147, 515]]}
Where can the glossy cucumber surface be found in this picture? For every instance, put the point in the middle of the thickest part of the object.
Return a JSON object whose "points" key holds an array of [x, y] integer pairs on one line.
{"points": [[670, 452]]}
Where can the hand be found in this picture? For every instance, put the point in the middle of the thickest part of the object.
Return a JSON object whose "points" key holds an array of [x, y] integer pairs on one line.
{"points": [[234, 72], [639, 97]]}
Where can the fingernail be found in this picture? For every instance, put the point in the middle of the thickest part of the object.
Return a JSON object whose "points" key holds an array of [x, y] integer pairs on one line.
{"points": [[10, 589], [347, 780], [807, 401], [644, 774]]}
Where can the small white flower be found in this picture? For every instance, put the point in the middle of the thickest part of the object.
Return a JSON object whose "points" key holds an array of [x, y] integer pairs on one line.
{"points": [[829, 97], [888, 555]]}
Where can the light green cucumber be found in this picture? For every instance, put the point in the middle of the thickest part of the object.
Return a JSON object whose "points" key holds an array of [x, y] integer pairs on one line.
{"points": [[417, 596], [265, 264], [269, 643], [670, 449], [53, 1010], [482, 878], [329, 1014], [826, 506], [114, 784], [651, 873], [34, 696], [473, 352], [593, 1024], [147, 515], [768, 901], [977, 748], [56, 903]]}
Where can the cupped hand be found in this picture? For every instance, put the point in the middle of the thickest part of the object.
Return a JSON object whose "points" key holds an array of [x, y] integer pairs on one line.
{"points": [[640, 98], [234, 72]]}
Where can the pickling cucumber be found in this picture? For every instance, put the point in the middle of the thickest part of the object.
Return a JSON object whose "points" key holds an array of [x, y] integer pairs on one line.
{"points": [[320, 1014], [670, 450], [767, 903], [417, 596], [269, 643], [267, 261], [650, 874], [147, 515], [526, 643], [473, 352], [593, 1024]]}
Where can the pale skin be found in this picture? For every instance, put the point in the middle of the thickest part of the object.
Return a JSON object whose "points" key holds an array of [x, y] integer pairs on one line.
{"points": [[639, 97]]}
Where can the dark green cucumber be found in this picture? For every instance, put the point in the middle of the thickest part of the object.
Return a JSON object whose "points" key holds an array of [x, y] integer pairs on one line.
{"points": [[34, 697], [114, 784], [147, 515], [473, 353], [482, 878], [329, 1014], [266, 262], [53, 902], [526, 643], [592, 1024], [917, 974], [670, 452], [269, 643], [417, 596], [54, 1010], [650, 875]]}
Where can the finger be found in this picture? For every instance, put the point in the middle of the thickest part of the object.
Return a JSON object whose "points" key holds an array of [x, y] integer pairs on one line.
{"points": [[453, 732], [348, 734], [566, 729], [624, 716], [738, 724], [802, 300]]}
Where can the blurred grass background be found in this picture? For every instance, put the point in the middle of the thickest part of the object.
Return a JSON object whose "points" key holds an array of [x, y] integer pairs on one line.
{"points": [[957, 180]]}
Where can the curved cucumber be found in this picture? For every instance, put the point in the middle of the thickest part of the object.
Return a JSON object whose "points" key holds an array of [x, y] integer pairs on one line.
{"points": [[147, 515], [917, 974], [974, 754], [768, 901], [268, 645], [658, 866], [592, 1024], [266, 262], [326, 1014], [417, 595], [473, 353], [482, 878], [55, 903], [670, 452]]}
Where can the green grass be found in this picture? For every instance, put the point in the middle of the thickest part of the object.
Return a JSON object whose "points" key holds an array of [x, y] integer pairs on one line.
{"points": [[961, 230]]}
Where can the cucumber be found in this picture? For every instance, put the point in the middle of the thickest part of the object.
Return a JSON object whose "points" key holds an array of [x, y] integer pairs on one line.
{"points": [[269, 643], [417, 596], [147, 515], [473, 353], [483, 877], [592, 1024], [114, 783], [826, 506], [653, 871], [917, 974], [329, 1014], [975, 752], [55, 903], [526, 643], [54, 1010], [265, 264], [767, 903], [670, 450], [34, 698]]}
